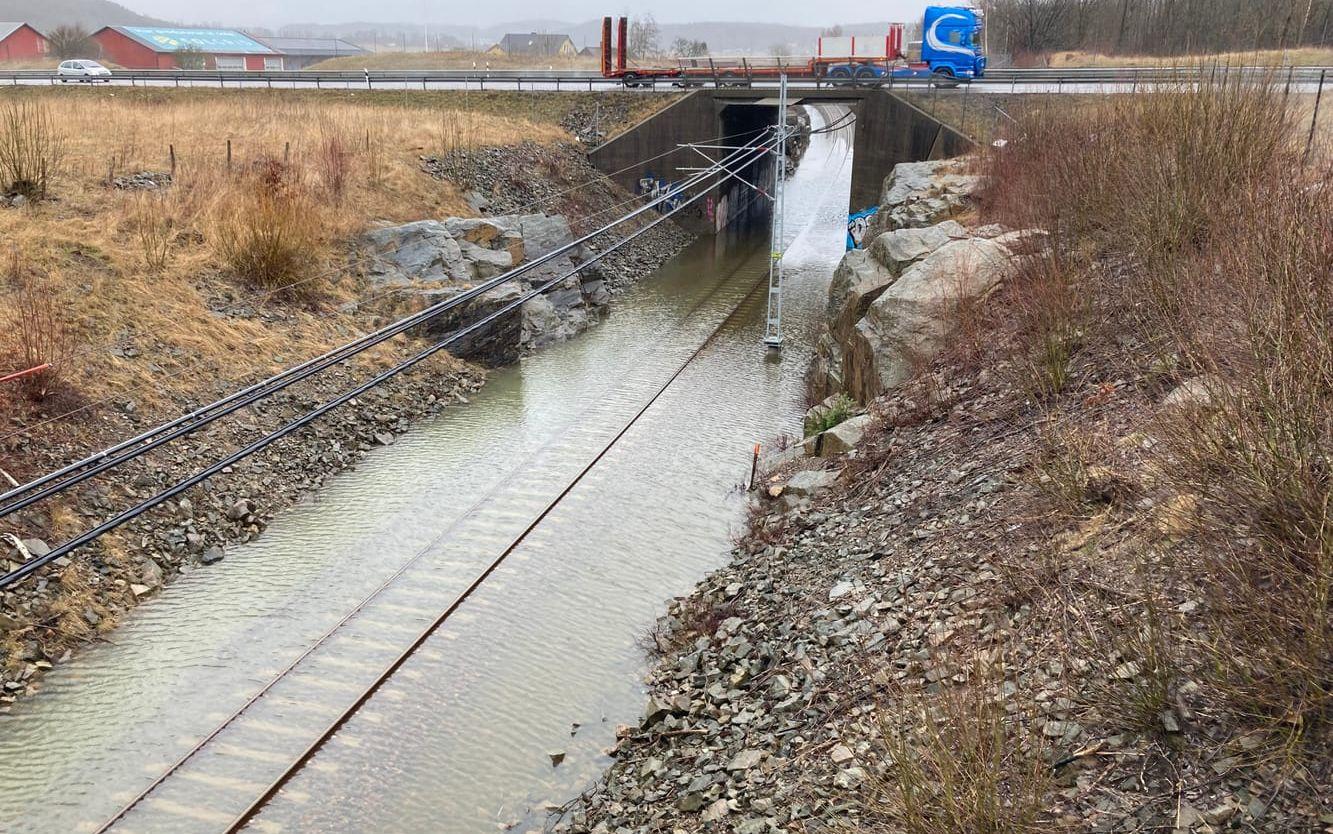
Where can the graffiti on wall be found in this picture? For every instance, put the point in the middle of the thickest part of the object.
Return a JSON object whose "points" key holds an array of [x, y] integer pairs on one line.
{"points": [[857, 226], [652, 188]]}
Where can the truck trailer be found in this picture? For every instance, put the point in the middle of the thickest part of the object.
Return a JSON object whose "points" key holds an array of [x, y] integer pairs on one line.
{"points": [[951, 52]]}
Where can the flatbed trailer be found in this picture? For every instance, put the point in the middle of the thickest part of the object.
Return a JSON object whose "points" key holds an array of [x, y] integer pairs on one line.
{"points": [[839, 60], [692, 72]]}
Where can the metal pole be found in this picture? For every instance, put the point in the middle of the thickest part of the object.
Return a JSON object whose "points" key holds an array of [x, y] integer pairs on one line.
{"points": [[1314, 120], [773, 325]]}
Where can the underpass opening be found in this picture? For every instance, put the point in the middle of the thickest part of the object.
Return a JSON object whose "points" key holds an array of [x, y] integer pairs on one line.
{"points": [[655, 153]]}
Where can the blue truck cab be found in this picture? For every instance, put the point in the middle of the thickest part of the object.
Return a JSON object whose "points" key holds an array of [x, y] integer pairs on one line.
{"points": [[951, 42]]}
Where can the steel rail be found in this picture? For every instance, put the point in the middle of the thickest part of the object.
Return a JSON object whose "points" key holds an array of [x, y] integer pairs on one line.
{"points": [[751, 154], [263, 295], [245, 817], [43, 487], [323, 639]]}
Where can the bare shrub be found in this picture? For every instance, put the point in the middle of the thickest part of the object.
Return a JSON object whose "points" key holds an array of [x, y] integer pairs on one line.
{"points": [[31, 148], [1227, 255], [958, 760], [152, 224], [1050, 307], [457, 131], [71, 41], [36, 330], [1133, 650], [334, 162], [268, 229], [1258, 451]]}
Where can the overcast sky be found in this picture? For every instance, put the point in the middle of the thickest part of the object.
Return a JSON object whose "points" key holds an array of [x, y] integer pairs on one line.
{"points": [[272, 13]]}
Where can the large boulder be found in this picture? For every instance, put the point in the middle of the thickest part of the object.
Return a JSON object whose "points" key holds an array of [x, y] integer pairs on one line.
{"points": [[845, 436], [910, 322], [486, 263], [434, 260], [900, 248], [857, 282], [414, 252], [919, 194], [543, 233]]}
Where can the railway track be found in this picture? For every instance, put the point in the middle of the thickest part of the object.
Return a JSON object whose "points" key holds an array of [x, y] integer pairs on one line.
{"points": [[226, 779]]}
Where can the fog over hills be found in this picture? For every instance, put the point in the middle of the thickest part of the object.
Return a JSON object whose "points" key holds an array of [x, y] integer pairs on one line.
{"points": [[785, 25]]}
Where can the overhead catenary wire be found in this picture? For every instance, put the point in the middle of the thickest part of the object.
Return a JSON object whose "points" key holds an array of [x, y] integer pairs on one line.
{"points": [[269, 293], [360, 606], [50, 484], [724, 168]]}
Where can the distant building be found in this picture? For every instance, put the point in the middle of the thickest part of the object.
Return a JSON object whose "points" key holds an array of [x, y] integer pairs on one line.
{"points": [[591, 52], [21, 42], [534, 45], [150, 47], [299, 53]]}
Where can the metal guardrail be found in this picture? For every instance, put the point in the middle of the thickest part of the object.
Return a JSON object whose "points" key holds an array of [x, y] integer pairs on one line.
{"points": [[576, 80]]}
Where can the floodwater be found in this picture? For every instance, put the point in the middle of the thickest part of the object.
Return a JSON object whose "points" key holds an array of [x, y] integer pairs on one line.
{"points": [[544, 657]]}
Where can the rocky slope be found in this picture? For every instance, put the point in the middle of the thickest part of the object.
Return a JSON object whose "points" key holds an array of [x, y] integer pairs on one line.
{"points": [[933, 623]]}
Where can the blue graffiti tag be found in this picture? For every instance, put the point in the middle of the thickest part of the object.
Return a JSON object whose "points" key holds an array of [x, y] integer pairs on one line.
{"points": [[857, 226], [652, 188]]}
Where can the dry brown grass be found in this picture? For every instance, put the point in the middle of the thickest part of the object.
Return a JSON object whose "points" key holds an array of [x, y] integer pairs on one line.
{"points": [[1303, 57], [35, 330], [150, 268], [454, 59]]}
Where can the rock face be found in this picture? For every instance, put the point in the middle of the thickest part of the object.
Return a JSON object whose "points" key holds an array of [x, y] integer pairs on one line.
{"points": [[433, 260], [889, 304], [909, 323], [919, 194]]}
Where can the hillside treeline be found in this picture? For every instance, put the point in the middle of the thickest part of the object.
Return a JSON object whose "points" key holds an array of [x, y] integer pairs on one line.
{"points": [[1158, 27]]}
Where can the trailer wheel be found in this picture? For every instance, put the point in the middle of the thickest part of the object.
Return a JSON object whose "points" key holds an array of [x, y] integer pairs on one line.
{"points": [[840, 75], [866, 77]]}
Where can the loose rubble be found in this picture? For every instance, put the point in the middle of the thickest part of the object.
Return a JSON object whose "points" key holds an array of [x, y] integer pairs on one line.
{"points": [[897, 561]]}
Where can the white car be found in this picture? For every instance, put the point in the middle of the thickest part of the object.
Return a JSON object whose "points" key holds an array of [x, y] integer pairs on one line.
{"points": [[82, 70]]}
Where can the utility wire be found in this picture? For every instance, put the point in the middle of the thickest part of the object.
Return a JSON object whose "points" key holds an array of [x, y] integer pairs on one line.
{"points": [[44, 486], [747, 155], [265, 294]]}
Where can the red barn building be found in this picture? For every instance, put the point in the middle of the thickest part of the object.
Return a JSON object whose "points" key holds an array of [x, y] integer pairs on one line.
{"points": [[21, 42], [151, 47]]}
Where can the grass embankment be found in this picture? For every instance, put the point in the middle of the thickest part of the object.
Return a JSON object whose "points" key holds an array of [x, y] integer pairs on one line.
{"points": [[307, 171], [455, 60], [1168, 364], [1303, 57]]}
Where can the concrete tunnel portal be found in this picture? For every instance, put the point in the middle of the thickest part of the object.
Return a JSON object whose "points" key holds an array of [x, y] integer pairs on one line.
{"points": [[648, 158]]}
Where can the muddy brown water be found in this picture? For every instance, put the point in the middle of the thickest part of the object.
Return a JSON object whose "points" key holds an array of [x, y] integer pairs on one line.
{"points": [[544, 658]]}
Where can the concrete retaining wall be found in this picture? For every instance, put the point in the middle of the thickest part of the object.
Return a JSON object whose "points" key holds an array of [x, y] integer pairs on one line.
{"points": [[889, 130]]}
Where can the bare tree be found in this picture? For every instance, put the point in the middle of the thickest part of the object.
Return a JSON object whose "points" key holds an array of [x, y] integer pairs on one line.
{"points": [[643, 37], [68, 41]]}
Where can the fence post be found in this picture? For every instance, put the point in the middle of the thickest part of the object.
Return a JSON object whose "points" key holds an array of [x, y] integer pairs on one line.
{"points": [[1314, 120], [228, 155], [286, 152], [966, 90], [171, 155]]}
